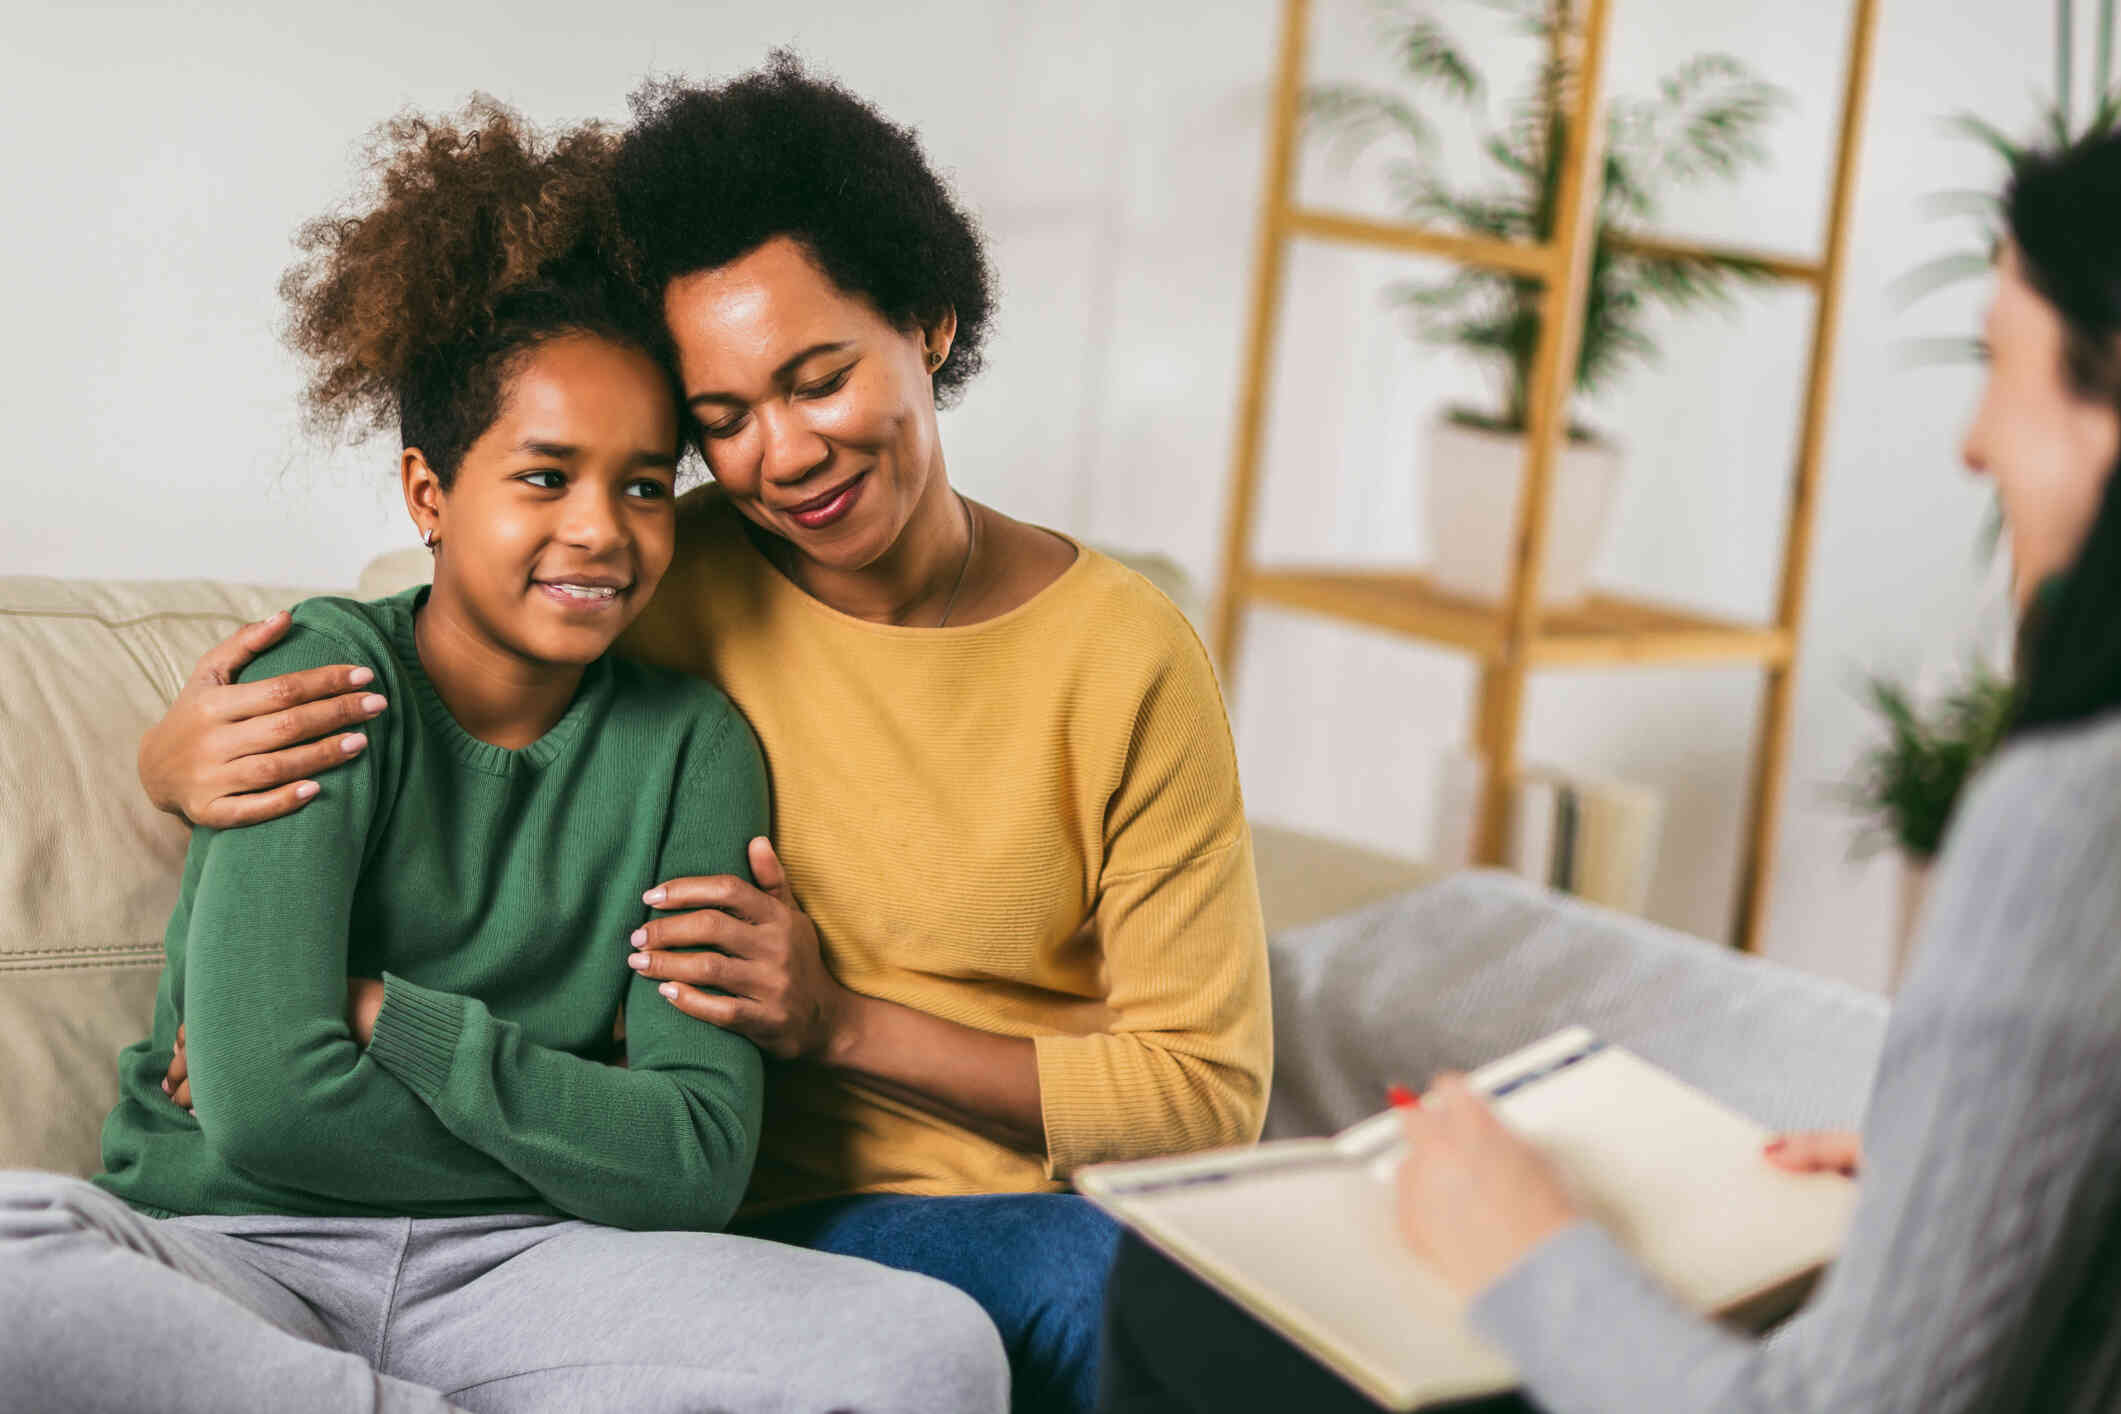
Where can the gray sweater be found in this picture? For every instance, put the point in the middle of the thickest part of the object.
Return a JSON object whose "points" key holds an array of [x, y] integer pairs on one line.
{"points": [[1983, 1269]]}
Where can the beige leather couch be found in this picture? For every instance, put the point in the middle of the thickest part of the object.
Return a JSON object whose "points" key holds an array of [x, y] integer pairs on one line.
{"points": [[89, 871]]}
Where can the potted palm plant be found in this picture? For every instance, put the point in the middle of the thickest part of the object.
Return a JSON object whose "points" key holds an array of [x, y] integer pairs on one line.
{"points": [[1910, 781], [1705, 122]]}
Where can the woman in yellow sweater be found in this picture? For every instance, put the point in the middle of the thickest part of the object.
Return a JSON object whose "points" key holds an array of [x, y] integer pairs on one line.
{"points": [[1009, 925]]}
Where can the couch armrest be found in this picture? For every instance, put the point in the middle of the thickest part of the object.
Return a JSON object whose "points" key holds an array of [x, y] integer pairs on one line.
{"points": [[1458, 974]]}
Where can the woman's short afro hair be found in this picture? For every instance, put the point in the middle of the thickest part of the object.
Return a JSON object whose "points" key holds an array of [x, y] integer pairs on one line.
{"points": [[709, 173]]}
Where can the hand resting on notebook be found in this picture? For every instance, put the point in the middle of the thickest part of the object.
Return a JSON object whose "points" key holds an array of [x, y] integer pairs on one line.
{"points": [[1474, 1199]]}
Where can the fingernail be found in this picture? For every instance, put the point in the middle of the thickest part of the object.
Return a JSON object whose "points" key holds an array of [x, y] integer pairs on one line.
{"points": [[165, 1086], [669, 989], [306, 791], [637, 961], [639, 938], [374, 702], [1402, 1098], [654, 895], [1776, 1146], [361, 677], [351, 744], [192, 1112]]}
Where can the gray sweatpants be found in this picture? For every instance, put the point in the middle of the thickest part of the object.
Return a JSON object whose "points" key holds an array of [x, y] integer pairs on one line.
{"points": [[103, 1309]]}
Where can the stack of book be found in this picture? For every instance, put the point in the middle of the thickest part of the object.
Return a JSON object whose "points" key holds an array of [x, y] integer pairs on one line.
{"points": [[1581, 835]]}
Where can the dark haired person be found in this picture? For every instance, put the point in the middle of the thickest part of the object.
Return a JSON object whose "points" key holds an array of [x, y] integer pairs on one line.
{"points": [[408, 1179], [1983, 1270], [1009, 924]]}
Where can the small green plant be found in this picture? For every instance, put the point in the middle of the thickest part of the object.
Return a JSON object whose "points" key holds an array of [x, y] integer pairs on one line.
{"points": [[1909, 783], [1707, 121]]}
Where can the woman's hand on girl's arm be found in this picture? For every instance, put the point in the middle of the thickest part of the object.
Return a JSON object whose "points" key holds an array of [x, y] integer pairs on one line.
{"points": [[228, 754], [764, 954], [1474, 1199]]}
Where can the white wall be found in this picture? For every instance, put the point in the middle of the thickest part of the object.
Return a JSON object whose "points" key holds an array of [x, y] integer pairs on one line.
{"points": [[160, 157]]}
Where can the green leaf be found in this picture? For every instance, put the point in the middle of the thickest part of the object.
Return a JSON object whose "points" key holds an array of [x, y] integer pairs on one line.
{"points": [[1972, 125], [1930, 352], [2103, 58], [1427, 53], [2106, 114], [1355, 117], [1942, 272], [1910, 781], [1985, 206]]}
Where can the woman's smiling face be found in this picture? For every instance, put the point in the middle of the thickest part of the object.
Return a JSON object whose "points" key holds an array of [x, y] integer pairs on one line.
{"points": [[815, 413], [559, 522]]}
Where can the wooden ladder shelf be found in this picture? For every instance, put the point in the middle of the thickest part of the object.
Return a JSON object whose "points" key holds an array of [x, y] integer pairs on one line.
{"points": [[1511, 639]]}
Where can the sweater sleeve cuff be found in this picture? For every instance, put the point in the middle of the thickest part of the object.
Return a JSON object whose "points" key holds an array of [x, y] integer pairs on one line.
{"points": [[1070, 1100], [416, 1035]]}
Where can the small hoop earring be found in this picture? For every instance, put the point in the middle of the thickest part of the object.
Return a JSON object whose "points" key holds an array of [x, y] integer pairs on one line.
{"points": [[935, 361], [428, 538]]}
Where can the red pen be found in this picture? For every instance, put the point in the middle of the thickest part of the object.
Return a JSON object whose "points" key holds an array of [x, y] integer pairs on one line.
{"points": [[1402, 1098]]}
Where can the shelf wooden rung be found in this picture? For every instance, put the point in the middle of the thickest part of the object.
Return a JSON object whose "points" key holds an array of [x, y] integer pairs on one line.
{"points": [[1605, 630], [1515, 257], [1793, 269], [1397, 603]]}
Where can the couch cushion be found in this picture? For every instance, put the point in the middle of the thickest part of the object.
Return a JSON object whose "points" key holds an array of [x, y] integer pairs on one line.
{"points": [[1481, 964], [88, 869]]}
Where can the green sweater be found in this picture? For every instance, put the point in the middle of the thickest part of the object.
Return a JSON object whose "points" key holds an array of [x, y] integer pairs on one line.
{"points": [[494, 892]]}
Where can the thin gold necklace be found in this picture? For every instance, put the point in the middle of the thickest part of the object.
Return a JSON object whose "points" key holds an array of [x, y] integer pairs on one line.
{"points": [[971, 547]]}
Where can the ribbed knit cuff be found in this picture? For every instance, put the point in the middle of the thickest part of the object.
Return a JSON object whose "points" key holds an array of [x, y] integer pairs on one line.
{"points": [[1077, 1103], [416, 1035]]}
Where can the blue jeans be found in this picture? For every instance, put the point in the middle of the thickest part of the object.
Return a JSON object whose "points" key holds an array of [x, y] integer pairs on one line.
{"points": [[1036, 1261]]}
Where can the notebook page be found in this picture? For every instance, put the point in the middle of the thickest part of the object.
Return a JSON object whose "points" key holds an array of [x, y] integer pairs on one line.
{"points": [[1679, 1179]]}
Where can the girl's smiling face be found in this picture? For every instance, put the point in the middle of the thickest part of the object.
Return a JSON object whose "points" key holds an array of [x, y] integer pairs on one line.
{"points": [[559, 521]]}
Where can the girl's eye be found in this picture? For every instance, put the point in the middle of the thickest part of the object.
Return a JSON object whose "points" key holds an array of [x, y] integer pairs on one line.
{"points": [[827, 386], [648, 489], [553, 482]]}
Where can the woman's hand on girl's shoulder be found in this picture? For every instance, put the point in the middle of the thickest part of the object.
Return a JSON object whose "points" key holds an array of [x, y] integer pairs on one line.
{"points": [[228, 754]]}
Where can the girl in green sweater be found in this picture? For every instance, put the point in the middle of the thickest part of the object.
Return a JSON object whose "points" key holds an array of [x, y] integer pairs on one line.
{"points": [[410, 1167]]}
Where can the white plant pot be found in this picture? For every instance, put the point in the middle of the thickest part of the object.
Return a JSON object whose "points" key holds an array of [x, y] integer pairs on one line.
{"points": [[1914, 893], [1474, 476]]}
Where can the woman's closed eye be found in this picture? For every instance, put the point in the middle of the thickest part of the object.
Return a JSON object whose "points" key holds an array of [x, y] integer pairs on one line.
{"points": [[828, 385], [823, 388]]}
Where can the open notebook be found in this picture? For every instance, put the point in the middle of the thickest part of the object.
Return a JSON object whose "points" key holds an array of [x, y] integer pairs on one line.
{"points": [[1302, 1233]]}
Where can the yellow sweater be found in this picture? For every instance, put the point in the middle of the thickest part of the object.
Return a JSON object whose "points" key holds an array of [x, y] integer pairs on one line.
{"points": [[1030, 826]]}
